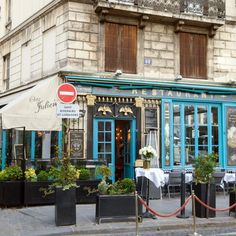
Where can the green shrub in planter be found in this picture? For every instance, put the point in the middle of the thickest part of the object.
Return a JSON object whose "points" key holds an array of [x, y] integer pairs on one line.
{"points": [[30, 175], [42, 176], [11, 173], [84, 174]]}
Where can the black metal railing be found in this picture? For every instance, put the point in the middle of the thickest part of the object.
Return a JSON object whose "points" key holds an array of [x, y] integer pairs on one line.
{"points": [[210, 8]]}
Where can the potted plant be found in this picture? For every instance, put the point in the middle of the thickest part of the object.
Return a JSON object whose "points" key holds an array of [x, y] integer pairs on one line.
{"points": [[147, 153], [204, 186], [34, 188], [65, 193], [11, 187], [87, 187], [232, 200], [115, 200]]}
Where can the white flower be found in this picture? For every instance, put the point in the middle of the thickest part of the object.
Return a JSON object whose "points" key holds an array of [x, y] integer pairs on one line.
{"points": [[147, 152]]}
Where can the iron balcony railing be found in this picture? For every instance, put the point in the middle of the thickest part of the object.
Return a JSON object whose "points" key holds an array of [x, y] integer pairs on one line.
{"points": [[210, 8]]}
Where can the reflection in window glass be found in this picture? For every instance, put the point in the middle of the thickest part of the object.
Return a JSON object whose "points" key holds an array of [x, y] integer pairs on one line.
{"points": [[202, 130], [215, 130], [177, 135], [167, 134], [189, 134], [231, 136], [100, 126]]}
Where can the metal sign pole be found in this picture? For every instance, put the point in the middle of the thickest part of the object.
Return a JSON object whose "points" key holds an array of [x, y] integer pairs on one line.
{"points": [[136, 212]]}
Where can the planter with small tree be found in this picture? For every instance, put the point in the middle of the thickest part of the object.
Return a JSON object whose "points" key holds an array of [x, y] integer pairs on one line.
{"points": [[204, 186], [116, 200]]}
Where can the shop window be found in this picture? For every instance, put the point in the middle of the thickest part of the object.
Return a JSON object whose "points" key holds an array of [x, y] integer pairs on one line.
{"points": [[231, 136], [193, 55], [6, 71], [120, 48], [167, 134], [177, 135]]}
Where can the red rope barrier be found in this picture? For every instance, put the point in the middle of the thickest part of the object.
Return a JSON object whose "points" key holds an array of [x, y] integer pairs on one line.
{"points": [[214, 209], [165, 215]]}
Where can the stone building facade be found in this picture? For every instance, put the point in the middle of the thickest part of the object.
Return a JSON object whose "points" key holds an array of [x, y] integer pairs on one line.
{"points": [[149, 94]]}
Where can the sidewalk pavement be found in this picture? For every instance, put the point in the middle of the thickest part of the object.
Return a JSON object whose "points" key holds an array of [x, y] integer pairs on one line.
{"points": [[32, 221]]}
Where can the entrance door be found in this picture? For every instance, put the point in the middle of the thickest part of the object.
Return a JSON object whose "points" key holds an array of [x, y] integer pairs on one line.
{"points": [[125, 148], [114, 142], [103, 143]]}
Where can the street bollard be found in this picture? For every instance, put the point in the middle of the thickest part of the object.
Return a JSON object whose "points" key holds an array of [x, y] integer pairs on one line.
{"points": [[182, 197], [136, 212]]}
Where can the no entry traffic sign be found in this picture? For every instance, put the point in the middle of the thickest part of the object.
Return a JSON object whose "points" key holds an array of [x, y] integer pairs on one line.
{"points": [[66, 93]]}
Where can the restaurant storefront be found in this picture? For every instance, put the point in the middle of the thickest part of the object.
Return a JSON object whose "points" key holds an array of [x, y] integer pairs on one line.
{"points": [[118, 117]]}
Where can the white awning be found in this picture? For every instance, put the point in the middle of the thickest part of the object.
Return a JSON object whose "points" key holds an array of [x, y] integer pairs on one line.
{"points": [[35, 109]]}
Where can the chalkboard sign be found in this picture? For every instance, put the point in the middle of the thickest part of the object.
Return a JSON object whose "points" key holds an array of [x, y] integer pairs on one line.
{"points": [[18, 151], [76, 143]]}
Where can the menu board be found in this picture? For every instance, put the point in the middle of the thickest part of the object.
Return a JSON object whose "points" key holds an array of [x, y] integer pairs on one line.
{"points": [[231, 135], [76, 143]]}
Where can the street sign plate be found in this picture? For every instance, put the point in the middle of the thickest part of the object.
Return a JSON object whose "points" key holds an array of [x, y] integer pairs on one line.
{"points": [[67, 110]]}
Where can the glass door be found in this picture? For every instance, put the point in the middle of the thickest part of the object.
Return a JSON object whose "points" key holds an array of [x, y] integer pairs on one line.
{"points": [[103, 143]]}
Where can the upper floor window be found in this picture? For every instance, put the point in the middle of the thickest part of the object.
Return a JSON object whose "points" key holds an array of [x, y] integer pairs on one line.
{"points": [[121, 48], [6, 71], [8, 11], [49, 50], [193, 55]]}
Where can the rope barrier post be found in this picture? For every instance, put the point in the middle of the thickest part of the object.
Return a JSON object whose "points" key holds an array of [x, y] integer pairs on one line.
{"points": [[182, 196], [194, 217], [136, 212]]}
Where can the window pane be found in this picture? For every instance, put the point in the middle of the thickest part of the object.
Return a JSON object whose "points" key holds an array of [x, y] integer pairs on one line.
{"points": [[167, 134], [150, 118], [177, 135], [101, 147], [108, 126], [231, 135], [108, 147], [100, 137], [214, 125], [189, 125], [108, 137], [100, 126]]}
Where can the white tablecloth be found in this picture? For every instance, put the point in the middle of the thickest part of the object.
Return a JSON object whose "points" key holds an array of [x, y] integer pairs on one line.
{"points": [[156, 175], [188, 177], [229, 177]]}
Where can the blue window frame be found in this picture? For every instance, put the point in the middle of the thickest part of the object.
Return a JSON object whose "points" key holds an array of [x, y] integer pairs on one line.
{"points": [[189, 130]]}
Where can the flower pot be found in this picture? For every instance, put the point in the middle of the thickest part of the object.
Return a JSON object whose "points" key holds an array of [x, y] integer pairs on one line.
{"points": [[65, 206], [208, 198], [34, 195], [232, 200], [11, 193], [146, 164], [116, 206]]}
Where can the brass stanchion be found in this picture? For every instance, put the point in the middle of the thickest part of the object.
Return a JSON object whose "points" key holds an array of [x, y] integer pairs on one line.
{"points": [[136, 211], [194, 217]]}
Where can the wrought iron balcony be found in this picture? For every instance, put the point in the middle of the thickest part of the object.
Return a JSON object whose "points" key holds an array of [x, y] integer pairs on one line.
{"points": [[208, 8]]}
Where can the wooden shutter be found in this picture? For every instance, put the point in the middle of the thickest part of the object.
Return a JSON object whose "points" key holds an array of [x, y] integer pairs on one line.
{"points": [[120, 47], [193, 55]]}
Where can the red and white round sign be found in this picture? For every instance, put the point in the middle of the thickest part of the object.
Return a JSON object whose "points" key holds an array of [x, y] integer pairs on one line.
{"points": [[66, 93]]}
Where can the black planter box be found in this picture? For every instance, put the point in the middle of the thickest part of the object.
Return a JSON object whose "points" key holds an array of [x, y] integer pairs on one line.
{"points": [[232, 200], [65, 206], [87, 191], [116, 206], [34, 196], [201, 192], [11, 193]]}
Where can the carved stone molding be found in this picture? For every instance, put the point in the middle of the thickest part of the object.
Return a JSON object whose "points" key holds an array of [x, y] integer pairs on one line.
{"points": [[139, 102], [143, 21], [90, 100]]}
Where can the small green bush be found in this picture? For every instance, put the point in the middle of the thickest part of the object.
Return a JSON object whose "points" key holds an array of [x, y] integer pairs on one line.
{"points": [[11, 173], [54, 173], [42, 176], [124, 186], [84, 174]]}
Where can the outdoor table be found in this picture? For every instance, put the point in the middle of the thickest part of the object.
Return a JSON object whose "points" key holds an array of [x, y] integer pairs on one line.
{"points": [[156, 175], [230, 177]]}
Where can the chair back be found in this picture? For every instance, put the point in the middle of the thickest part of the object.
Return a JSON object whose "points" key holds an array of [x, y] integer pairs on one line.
{"points": [[218, 176], [175, 178]]}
